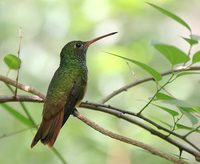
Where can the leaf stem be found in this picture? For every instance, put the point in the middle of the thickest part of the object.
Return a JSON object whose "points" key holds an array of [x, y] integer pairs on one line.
{"points": [[158, 90]]}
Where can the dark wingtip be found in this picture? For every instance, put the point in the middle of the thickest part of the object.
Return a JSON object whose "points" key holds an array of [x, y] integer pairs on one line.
{"points": [[36, 138], [33, 144]]}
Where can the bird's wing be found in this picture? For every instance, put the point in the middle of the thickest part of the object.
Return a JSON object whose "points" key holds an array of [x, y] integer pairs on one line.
{"points": [[62, 93], [55, 115], [74, 98]]}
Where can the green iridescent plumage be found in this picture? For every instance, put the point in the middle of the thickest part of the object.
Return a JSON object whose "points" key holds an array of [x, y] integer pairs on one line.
{"points": [[65, 91]]}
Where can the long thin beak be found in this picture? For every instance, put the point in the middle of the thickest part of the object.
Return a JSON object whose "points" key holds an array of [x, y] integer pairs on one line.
{"points": [[98, 38]]}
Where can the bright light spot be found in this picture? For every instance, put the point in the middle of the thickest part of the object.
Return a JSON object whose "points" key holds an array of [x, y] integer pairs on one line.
{"points": [[57, 22], [96, 10], [108, 83]]}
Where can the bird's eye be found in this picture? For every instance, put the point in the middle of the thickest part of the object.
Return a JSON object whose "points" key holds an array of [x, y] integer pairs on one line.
{"points": [[78, 45]]}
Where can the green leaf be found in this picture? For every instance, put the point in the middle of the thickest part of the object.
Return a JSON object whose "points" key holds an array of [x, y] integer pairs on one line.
{"points": [[186, 73], [189, 115], [156, 75], [181, 126], [198, 131], [12, 61], [176, 102], [183, 106], [171, 15], [162, 96], [17, 115], [197, 109], [172, 53], [196, 57], [190, 109], [179, 103], [170, 111], [190, 41]]}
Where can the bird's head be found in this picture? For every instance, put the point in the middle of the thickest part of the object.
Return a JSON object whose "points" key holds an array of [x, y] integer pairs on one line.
{"points": [[75, 51]]}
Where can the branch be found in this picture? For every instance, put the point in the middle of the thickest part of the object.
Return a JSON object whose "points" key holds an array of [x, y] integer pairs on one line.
{"points": [[23, 87], [20, 98], [35, 92], [106, 109], [142, 125], [120, 114], [132, 84], [96, 106], [127, 140], [98, 128]]}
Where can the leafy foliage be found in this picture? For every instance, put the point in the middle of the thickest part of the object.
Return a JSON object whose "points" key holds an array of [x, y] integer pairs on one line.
{"points": [[191, 41], [17, 115], [156, 75], [12, 61], [196, 57], [172, 53], [171, 15], [170, 111]]}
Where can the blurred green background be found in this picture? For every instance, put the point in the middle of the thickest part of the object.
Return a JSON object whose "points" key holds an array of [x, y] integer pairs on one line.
{"points": [[47, 25]]}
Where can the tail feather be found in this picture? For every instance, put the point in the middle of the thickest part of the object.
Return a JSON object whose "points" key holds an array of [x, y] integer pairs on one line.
{"points": [[49, 130]]}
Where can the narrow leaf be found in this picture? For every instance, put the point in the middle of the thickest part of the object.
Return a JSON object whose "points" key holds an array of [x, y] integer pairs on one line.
{"points": [[162, 96], [179, 103], [171, 15], [170, 111], [189, 109], [196, 57], [17, 115], [12, 61], [190, 41], [172, 53], [176, 102], [181, 126], [197, 109], [190, 116], [156, 75]]}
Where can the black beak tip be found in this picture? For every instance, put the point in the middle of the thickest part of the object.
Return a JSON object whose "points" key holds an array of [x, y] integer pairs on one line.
{"points": [[114, 33]]}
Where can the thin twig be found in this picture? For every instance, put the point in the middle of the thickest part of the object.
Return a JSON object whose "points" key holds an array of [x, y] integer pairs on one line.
{"points": [[175, 123], [132, 84], [18, 54], [128, 140], [23, 87], [20, 98], [190, 132], [142, 125], [14, 133], [158, 90], [55, 151], [109, 111], [23, 107], [85, 105]]}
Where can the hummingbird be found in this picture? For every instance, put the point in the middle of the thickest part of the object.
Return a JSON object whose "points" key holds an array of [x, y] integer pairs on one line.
{"points": [[65, 91]]}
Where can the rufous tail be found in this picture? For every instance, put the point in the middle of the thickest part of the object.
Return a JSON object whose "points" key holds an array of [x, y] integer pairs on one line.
{"points": [[49, 130]]}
